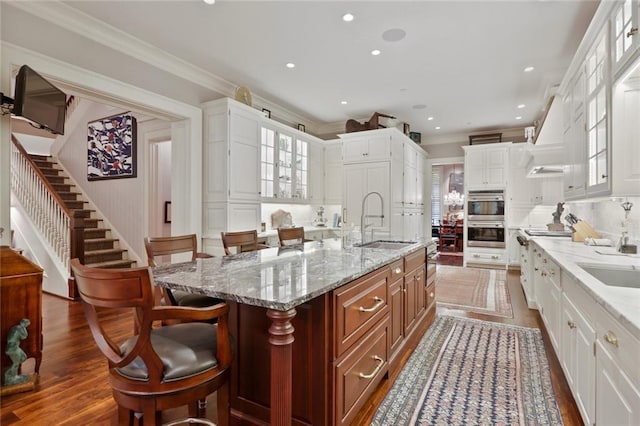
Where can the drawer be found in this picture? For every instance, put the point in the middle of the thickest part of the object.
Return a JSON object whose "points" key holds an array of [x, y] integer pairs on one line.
{"points": [[397, 270], [358, 373], [359, 305], [551, 269], [431, 294], [619, 343], [485, 257], [414, 260]]}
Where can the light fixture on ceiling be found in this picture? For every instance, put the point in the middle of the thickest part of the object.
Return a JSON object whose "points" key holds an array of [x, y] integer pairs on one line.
{"points": [[521, 106], [529, 69], [519, 117], [290, 65], [429, 118], [454, 198], [209, 1], [347, 17], [437, 127], [375, 52], [343, 102]]}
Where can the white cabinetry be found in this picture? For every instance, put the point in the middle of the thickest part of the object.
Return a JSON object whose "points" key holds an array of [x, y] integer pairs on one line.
{"points": [[231, 187], [574, 138], [526, 274], [598, 355], [577, 347], [316, 173], [486, 166], [548, 294], [333, 173], [625, 36], [388, 162], [359, 180]]}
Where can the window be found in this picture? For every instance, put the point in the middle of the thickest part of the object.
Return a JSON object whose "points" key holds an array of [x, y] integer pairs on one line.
{"points": [[436, 213], [623, 24], [284, 165]]}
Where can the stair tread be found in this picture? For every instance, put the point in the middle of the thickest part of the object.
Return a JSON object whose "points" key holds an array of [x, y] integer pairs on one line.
{"points": [[99, 240], [103, 251], [108, 263]]}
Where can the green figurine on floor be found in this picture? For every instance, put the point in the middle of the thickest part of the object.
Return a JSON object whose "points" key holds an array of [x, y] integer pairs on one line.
{"points": [[17, 333]]}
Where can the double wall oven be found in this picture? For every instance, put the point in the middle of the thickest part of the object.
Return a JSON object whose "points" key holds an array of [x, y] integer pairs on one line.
{"points": [[485, 219]]}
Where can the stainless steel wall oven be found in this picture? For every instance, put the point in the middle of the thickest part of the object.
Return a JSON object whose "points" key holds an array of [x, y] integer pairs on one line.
{"points": [[486, 233], [485, 205]]}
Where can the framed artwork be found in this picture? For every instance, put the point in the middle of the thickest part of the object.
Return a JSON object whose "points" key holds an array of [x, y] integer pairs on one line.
{"points": [[406, 128], [302, 128], [111, 147], [416, 137], [167, 212], [266, 112]]}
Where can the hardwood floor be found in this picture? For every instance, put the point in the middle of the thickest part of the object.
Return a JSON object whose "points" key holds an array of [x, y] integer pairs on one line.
{"points": [[73, 387]]}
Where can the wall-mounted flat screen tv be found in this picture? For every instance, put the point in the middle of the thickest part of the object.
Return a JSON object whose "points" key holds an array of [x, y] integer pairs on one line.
{"points": [[39, 101]]}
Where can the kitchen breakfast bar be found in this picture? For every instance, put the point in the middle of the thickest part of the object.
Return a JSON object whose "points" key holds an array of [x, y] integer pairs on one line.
{"points": [[315, 326]]}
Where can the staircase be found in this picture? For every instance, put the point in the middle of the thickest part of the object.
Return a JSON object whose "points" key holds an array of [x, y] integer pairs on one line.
{"points": [[100, 251]]}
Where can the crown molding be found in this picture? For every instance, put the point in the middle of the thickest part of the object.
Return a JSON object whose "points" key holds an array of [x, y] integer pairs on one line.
{"points": [[89, 27]]}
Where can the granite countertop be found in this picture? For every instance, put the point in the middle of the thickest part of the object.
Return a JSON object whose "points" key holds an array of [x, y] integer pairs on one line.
{"points": [[279, 278], [623, 303]]}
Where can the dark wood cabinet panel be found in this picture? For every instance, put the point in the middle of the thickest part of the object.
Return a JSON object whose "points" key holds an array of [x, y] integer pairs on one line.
{"points": [[21, 297]]}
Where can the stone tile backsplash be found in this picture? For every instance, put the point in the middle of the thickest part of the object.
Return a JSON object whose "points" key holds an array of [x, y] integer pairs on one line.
{"points": [[606, 217]]}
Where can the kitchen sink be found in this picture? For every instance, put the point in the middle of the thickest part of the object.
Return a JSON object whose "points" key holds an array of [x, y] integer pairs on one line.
{"points": [[387, 245], [616, 276]]}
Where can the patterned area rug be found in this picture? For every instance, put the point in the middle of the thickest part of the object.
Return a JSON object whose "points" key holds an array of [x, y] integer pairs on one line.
{"points": [[473, 372], [473, 289]]}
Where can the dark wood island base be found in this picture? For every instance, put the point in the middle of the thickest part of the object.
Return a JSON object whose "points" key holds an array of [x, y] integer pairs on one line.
{"points": [[324, 359]]}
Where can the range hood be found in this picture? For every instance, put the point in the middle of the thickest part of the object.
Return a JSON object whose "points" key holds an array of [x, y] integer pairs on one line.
{"points": [[545, 161]]}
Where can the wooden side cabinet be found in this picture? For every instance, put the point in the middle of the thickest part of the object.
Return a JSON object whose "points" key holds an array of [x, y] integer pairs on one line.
{"points": [[21, 297]]}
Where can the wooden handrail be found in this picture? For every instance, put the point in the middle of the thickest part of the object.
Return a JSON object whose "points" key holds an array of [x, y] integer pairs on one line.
{"points": [[76, 220], [42, 177]]}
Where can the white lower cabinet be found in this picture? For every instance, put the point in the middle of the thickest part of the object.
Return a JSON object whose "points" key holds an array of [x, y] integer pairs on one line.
{"points": [[577, 355], [599, 357]]}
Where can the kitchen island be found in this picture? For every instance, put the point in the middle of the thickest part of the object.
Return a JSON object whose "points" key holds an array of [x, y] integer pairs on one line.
{"points": [[316, 326]]}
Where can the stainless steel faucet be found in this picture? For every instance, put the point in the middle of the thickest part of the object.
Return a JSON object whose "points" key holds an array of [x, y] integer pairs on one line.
{"points": [[363, 216]]}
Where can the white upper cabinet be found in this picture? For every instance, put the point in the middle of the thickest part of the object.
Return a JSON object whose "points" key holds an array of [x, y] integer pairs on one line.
{"points": [[486, 166], [365, 146], [625, 36]]}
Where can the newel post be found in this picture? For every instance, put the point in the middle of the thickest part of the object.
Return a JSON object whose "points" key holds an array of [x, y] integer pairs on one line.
{"points": [[76, 242]]}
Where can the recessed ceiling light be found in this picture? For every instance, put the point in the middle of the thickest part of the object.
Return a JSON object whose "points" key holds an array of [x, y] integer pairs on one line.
{"points": [[375, 52], [429, 118], [343, 102], [521, 106], [347, 17], [290, 65], [518, 118], [437, 127], [209, 1], [529, 69]]}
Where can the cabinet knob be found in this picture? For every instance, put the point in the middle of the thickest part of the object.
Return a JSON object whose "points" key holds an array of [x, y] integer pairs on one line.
{"points": [[570, 187], [632, 32], [571, 324], [494, 257], [397, 271], [431, 295], [604, 176], [611, 338]]}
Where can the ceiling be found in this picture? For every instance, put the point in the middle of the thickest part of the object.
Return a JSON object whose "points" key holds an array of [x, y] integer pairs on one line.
{"points": [[459, 62]]}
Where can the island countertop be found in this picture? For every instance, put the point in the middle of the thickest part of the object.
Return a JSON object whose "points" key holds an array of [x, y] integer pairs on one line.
{"points": [[279, 278]]}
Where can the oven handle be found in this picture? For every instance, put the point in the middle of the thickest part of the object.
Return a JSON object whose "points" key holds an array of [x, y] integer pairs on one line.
{"points": [[472, 198], [486, 224]]}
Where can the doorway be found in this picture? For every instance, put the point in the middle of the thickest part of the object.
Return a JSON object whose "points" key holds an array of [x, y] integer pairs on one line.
{"points": [[160, 207], [448, 208]]}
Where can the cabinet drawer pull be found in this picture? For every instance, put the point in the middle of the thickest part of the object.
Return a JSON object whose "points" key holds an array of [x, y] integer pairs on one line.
{"points": [[609, 337], [375, 371], [571, 324], [431, 295], [376, 306], [397, 271], [495, 257]]}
